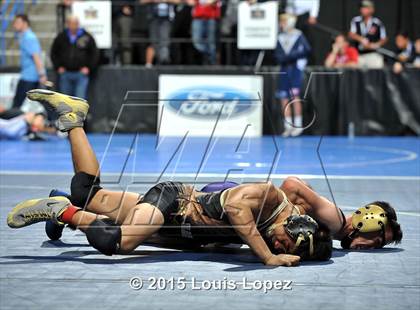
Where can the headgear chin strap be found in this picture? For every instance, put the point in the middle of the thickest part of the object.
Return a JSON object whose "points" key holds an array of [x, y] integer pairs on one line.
{"points": [[302, 229]]}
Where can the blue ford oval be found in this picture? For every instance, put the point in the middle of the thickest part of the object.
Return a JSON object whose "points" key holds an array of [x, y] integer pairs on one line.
{"points": [[211, 101]]}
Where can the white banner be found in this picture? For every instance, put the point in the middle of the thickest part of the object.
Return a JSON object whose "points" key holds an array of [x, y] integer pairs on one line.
{"points": [[200, 104], [8, 84], [257, 25], [95, 17]]}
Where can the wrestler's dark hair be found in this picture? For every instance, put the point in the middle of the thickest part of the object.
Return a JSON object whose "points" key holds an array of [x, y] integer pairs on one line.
{"points": [[322, 246], [392, 220]]}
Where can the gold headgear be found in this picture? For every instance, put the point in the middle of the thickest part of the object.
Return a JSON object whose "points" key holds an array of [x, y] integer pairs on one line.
{"points": [[369, 218]]}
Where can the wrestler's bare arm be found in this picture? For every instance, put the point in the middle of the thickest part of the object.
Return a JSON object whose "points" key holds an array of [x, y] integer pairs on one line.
{"points": [[320, 208], [242, 205]]}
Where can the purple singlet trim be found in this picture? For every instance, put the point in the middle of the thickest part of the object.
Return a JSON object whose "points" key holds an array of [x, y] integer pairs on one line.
{"points": [[218, 186]]}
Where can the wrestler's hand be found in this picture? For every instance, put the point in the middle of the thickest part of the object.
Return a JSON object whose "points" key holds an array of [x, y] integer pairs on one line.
{"points": [[283, 260]]}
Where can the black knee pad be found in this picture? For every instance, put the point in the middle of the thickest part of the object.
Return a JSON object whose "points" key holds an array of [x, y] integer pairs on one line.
{"points": [[105, 236], [83, 188]]}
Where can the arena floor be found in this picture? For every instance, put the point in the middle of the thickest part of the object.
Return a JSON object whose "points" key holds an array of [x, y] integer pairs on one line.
{"points": [[69, 274]]}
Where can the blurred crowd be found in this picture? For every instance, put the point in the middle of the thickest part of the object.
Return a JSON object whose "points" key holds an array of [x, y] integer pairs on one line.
{"points": [[75, 56]]}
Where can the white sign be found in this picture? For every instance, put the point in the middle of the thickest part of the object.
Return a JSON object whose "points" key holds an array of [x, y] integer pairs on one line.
{"points": [[257, 25], [8, 84], [95, 17], [202, 104]]}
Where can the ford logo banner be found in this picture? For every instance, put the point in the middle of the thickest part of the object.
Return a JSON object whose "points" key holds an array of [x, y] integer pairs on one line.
{"points": [[211, 101]]}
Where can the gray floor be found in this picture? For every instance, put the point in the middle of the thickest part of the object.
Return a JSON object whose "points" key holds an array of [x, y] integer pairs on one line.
{"points": [[38, 274]]}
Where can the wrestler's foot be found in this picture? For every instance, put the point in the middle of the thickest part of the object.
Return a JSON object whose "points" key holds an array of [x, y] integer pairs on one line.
{"points": [[53, 230], [37, 210], [72, 111]]}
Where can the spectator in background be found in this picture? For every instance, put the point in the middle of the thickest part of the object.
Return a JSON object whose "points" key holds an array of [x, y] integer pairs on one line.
{"points": [[123, 21], [369, 33], [307, 12], [161, 15], [183, 52], [291, 54], [228, 30], [64, 9], [206, 14], [75, 57], [405, 51], [32, 72], [230, 18], [342, 54], [416, 61]]}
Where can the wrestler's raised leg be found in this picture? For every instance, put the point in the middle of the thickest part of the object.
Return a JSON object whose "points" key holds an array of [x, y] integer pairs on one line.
{"points": [[85, 187], [113, 204], [82, 154]]}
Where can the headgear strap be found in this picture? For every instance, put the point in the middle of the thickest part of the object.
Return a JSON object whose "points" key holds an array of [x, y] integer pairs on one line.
{"points": [[301, 228]]}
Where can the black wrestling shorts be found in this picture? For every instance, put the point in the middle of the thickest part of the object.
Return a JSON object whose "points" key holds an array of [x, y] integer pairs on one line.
{"points": [[168, 196], [165, 197]]}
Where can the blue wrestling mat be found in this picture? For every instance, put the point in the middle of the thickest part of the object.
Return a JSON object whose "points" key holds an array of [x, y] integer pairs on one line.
{"points": [[362, 156], [39, 274]]}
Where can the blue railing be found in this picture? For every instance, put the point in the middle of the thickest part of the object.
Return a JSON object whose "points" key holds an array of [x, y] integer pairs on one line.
{"points": [[16, 7]]}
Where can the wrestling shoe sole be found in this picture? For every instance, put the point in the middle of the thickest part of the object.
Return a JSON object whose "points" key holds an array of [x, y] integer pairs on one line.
{"points": [[37, 210]]}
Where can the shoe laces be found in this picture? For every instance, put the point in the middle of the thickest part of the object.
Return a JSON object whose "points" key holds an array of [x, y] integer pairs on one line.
{"points": [[37, 215]]}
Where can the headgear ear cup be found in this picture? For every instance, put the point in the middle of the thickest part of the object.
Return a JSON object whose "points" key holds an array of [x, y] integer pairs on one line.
{"points": [[301, 228], [369, 218]]}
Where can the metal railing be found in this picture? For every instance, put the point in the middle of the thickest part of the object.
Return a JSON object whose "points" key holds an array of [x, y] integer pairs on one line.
{"points": [[9, 9], [14, 8]]}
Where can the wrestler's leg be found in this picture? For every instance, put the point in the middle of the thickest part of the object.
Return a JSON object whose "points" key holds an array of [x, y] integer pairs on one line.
{"points": [[82, 219], [72, 113], [103, 234], [85, 184], [86, 167], [115, 205], [141, 222], [112, 204], [109, 237], [83, 156]]}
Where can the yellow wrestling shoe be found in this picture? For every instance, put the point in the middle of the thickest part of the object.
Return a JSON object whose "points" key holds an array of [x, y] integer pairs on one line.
{"points": [[72, 111], [37, 210]]}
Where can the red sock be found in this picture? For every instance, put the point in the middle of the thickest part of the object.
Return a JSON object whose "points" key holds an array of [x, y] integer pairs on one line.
{"points": [[68, 214]]}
